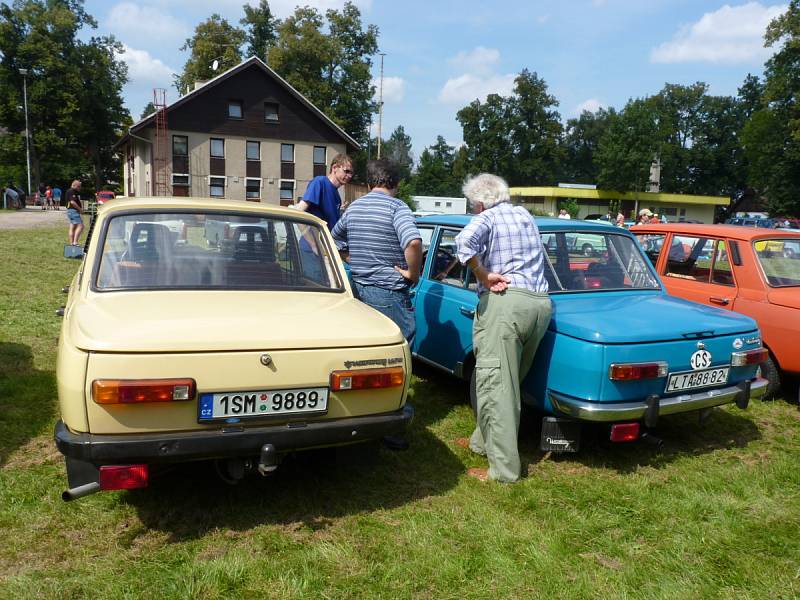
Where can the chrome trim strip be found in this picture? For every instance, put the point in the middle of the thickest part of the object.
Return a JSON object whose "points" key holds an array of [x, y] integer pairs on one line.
{"points": [[627, 411]]}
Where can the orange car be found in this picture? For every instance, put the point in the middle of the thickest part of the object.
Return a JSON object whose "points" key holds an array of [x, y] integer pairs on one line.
{"points": [[750, 270]]}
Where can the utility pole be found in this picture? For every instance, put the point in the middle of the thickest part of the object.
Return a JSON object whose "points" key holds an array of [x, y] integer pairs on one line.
{"points": [[380, 106], [24, 73]]}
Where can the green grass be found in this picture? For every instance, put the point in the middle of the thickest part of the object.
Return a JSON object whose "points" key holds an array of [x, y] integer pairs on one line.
{"points": [[716, 514]]}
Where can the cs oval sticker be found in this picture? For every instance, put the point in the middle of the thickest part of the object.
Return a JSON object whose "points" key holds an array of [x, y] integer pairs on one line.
{"points": [[700, 359]]}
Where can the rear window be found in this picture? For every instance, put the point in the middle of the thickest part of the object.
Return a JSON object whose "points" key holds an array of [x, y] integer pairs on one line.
{"points": [[581, 261], [214, 251], [780, 261]]}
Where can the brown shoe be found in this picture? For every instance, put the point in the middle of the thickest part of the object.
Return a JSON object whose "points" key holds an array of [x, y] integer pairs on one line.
{"points": [[478, 473], [462, 442]]}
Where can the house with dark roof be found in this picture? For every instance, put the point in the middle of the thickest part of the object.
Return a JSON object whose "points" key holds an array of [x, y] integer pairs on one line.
{"points": [[246, 134]]}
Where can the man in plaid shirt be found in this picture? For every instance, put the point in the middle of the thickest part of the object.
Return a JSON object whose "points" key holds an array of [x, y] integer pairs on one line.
{"points": [[501, 245]]}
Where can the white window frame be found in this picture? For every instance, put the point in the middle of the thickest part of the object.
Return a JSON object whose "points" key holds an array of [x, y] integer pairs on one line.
{"points": [[238, 103], [211, 147], [293, 153], [260, 186], [324, 158], [211, 184], [280, 188], [188, 179], [246, 143]]}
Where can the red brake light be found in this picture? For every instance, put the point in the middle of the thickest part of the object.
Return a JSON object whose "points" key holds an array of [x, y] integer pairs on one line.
{"points": [[365, 379], [125, 391], [636, 371], [749, 357], [624, 432], [124, 477]]}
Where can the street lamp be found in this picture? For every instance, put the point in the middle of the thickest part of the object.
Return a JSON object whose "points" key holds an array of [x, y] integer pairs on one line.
{"points": [[24, 73]]}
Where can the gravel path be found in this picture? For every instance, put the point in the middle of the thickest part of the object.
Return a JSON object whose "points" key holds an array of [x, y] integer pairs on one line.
{"points": [[30, 218]]}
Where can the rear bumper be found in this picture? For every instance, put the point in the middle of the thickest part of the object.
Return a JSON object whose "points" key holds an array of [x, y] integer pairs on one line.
{"points": [[632, 411], [226, 441]]}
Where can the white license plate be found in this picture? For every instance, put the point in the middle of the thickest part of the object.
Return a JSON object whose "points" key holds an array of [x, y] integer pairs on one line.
{"points": [[262, 403], [690, 380]]}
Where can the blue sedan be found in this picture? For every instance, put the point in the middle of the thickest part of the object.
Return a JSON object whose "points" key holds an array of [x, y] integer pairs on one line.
{"points": [[618, 350]]}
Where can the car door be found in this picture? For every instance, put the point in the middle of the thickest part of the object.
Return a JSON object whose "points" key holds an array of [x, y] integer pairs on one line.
{"points": [[698, 268], [444, 303]]}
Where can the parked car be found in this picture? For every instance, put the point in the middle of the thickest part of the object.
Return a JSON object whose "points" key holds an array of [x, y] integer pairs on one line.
{"points": [[618, 350], [172, 352], [104, 196], [748, 270]]}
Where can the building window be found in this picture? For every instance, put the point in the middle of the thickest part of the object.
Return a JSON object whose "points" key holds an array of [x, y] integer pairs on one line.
{"points": [[180, 145], [287, 152], [216, 187], [271, 112], [253, 150], [235, 110], [449, 204], [287, 189], [180, 179], [437, 203], [217, 148], [319, 155], [252, 188]]}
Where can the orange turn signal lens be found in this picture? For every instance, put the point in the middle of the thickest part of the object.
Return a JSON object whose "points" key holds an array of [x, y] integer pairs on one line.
{"points": [[128, 391], [368, 379]]}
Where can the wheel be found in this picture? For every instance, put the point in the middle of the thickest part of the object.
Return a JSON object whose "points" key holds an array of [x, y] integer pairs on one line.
{"points": [[769, 371], [587, 249]]}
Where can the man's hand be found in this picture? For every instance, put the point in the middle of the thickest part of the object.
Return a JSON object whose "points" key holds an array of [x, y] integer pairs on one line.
{"points": [[408, 275], [495, 282]]}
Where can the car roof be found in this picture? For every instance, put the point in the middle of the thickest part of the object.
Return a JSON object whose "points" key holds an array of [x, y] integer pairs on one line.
{"points": [[543, 223], [736, 232], [194, 204]]}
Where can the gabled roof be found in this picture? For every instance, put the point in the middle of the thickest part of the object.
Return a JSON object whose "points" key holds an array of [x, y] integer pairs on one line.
{"points": [[253, 60]]}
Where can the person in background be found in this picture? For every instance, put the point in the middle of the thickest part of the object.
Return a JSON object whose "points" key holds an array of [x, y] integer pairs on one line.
{"points": [[11, 196], [644, 216], [377, 235], [563, 214], [74, 210], [41, 195], [502, 246], [655, 218], [48, 196], [57, 197], [620, 220]]}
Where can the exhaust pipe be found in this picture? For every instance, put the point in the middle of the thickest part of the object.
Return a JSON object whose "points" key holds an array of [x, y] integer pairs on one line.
{"points": [[649, 438], [80, 491]]}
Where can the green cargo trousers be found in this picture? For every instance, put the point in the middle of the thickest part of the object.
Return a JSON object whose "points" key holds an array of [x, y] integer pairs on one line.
{"points": [[507, 330]]}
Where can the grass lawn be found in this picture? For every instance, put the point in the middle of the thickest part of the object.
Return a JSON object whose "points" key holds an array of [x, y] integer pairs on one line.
{"points": [[715, 514]]}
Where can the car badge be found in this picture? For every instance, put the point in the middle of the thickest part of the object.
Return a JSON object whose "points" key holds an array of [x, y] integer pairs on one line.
{"points": [[266, 360], [753, 340], [737, 344], [700, 345], [700, 360]]}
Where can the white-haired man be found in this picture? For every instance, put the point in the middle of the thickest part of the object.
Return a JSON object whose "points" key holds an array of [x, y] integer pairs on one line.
{"points": [[501, 245]]}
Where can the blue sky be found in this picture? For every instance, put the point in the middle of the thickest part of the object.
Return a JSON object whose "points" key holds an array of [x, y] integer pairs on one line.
{"points": [[441, 55]]}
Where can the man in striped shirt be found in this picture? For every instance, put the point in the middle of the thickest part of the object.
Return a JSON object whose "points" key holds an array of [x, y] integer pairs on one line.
{"points": [[503, 248], [377, 235]]}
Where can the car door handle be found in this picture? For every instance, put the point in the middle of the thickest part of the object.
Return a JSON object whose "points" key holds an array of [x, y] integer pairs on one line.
{"points": [[467, 312], [720, 301]]}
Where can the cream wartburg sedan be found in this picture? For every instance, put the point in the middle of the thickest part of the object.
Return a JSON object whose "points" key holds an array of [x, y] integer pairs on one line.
{"points": [[176, 347]]}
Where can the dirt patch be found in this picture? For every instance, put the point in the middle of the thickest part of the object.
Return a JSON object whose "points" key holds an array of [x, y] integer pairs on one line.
{"points": [[33, 218], [37, 451]]}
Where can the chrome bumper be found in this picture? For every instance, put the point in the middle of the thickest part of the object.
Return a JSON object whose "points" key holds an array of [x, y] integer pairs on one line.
{"points": [[632, 411]]}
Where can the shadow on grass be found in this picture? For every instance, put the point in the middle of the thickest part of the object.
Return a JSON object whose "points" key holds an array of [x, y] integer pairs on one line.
{"points": [[25, 398], [309, 489]]}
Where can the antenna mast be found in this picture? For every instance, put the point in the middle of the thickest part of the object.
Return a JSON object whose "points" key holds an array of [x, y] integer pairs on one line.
{"points": [[160, 145]]}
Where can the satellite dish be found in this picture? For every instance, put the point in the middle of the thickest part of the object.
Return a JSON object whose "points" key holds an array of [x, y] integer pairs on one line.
{"points": [[215, 65]]}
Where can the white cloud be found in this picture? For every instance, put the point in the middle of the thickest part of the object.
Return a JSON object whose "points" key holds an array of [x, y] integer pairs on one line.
{"points": [[592, 105], [144, 24], [466, 88], [479, 60], [732, 34], [284, 8], [144, 70], [394, 89]]}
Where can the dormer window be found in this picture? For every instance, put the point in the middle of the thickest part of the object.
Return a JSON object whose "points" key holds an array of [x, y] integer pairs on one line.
{"points": [[235, 110], [271, 112]]}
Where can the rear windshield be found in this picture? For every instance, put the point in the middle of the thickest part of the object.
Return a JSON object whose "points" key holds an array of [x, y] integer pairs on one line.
{"points": [[588, 261], [780, 261], [213, 251]]}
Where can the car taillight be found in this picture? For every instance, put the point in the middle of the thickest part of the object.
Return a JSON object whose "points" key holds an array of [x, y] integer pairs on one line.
{"points": [[749, 357], [635, 371], [125, 391], [367, 379], [624, 432], [124, 477]]}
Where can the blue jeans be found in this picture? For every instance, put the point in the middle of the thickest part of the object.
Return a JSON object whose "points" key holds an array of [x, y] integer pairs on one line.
{"points": [[312, 265], [395, 304]]}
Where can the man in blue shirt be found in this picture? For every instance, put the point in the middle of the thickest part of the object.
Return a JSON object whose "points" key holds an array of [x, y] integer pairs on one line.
{"points": [[380, 239]]}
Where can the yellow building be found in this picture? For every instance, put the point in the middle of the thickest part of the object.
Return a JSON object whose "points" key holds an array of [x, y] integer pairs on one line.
{"points": [[593, 201]]}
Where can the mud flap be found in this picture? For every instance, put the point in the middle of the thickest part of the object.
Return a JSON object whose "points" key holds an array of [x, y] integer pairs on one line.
{"points": [[560, 435]]}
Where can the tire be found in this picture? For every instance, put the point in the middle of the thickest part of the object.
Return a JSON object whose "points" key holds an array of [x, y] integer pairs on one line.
{"points": [[769, 371]]}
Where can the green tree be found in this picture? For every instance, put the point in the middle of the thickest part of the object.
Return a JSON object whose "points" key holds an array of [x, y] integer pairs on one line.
{"points": [[434, 176], [398, 148], [328, 60], [261, 29], [214, 40], [148, 110], [581, 140]]}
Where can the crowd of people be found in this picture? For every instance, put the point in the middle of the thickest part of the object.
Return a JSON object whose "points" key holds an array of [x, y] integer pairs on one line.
{"points": [[377, 235]]}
